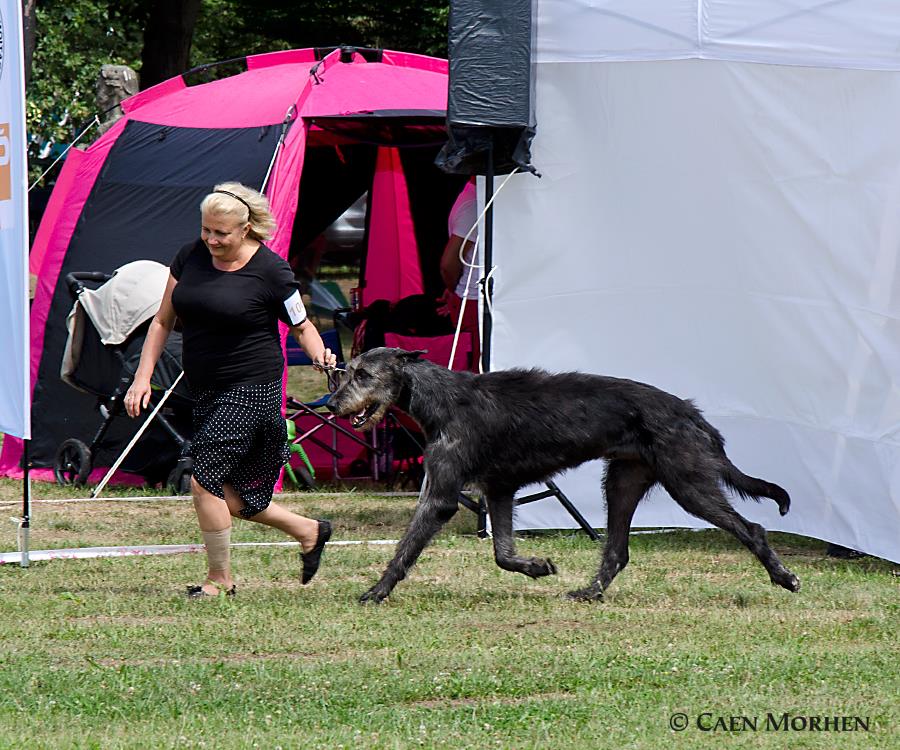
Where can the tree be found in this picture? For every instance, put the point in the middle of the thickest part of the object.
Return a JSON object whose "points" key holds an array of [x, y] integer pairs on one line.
{"points": [[74, 38], [167, 39], [28, 32], [233, 28], [162, 38]]}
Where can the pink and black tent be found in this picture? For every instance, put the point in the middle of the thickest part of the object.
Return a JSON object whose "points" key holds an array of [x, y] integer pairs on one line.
{"points": [[325, 125]]}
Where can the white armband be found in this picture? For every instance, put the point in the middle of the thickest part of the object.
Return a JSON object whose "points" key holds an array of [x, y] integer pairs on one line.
{"points": [[295, 308]]}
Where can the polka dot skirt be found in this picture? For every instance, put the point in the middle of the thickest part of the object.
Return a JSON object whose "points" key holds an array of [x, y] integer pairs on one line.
{"points": [[240, 439]]}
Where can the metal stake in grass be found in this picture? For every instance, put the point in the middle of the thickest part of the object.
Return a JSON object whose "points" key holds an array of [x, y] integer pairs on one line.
{"points": [[112, 469]]}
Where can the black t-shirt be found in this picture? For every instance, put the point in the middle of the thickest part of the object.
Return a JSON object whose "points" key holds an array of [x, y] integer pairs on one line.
{"points": [[230, 318]]}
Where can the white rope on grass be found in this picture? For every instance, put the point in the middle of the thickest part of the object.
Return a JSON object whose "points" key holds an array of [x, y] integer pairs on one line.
{"points": [[180, 498], [129, 499], [89, 553]]}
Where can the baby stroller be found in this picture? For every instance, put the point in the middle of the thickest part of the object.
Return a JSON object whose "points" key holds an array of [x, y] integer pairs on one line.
{"points": [[107, 327]]}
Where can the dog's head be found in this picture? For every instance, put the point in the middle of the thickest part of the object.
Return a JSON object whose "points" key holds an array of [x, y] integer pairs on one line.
{"points": [[371, 385]]}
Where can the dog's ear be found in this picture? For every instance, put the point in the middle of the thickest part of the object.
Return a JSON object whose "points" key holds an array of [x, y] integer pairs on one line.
{"points": [[413, 355]]}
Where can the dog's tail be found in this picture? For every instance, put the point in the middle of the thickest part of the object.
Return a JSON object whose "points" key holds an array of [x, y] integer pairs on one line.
{"points": [[753, 488]]}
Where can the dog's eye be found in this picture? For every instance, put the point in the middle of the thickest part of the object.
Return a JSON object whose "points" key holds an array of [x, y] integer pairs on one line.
{"points": [[361, 375]]}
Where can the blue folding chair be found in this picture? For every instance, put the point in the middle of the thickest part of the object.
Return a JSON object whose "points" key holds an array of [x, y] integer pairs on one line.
{"points": [[317, 409]]}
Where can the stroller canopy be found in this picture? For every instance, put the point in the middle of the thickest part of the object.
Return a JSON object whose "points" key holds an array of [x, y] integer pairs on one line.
{"points": [[129, 298], [116, 309]]}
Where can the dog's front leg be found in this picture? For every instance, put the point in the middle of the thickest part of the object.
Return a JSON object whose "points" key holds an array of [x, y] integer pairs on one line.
{"points": [[432, 512], [500, 508]]}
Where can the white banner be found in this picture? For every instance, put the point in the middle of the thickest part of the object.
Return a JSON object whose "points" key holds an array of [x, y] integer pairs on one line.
{"points": [[729, 232], [15, 390]]}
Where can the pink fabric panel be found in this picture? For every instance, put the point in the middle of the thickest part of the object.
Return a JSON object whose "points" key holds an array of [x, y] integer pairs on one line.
{"points": [[437, 348], [283, 188], [392, 258], [412, 60], [256, 97], [346, 89], [283, 192], [56, 205], [58, 234], [274, 81], [305, 57], [154, 93]]}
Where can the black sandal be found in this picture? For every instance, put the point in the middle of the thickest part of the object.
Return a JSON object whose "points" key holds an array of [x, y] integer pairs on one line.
{"points": [[197, 592], [312, 558]]}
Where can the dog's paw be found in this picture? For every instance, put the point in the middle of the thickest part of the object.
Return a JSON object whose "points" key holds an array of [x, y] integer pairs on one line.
{"points": [[373, 596], [787, 580], [592, 593], [538, 568]]}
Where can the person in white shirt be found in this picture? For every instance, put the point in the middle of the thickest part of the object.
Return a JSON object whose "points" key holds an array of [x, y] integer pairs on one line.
{"points": [[455, 273]]}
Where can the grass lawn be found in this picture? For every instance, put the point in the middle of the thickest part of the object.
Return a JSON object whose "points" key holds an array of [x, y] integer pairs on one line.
{"points": [[108, 653]]}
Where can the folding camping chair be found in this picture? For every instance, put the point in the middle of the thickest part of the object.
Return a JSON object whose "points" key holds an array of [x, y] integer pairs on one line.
{"points": [[315, 411]]}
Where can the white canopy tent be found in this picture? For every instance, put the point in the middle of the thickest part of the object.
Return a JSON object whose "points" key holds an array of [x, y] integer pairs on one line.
{"points": [[719, 215]]}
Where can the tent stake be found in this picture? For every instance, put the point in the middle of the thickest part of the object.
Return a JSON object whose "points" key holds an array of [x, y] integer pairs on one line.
{"points": [[25, 524], [112, 469]]}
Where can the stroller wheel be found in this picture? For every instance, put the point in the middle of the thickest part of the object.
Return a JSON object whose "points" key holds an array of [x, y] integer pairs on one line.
{"points": [[73, 463], [179, 481], [305, 480]]}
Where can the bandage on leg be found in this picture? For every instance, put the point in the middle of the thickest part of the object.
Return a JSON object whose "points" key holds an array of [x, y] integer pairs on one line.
{"points": [[218, 549]]}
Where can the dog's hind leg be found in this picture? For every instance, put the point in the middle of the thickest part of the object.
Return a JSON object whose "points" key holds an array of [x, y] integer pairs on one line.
{"points": [[703, 497], [626, 482], [500, 508], [437, 505]]}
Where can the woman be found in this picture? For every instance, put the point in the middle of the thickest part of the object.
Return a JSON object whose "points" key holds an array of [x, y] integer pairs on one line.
{"points": [[229, 291]]}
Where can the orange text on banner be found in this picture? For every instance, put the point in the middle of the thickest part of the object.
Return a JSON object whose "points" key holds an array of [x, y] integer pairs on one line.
{"points": [[5, 171]]}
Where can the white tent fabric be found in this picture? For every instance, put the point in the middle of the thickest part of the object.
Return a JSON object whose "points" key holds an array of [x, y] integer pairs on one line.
{"points": [[825, 33], [727, 231], [15, 395]]}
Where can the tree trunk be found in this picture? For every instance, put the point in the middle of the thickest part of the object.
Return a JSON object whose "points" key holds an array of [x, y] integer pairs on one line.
{"points": [[28, 30], [167, 40]]}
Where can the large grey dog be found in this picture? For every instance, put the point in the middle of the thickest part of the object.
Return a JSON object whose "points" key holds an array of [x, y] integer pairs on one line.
{"points": [[503, 430]]}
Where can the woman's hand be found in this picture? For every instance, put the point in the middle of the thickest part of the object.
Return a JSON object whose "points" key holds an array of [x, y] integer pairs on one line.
{"points": [[311, 342], [327, 360], [137, 397]]}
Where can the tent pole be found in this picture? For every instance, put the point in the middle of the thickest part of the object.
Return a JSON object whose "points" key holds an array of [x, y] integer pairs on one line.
{"points": [[25, 525], [288, 118], [488, 288], [487, 291], [553, 489]]}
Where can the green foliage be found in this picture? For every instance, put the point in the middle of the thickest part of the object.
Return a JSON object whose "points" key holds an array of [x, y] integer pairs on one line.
{"points": [[74, 38], [407, 25], [226, 29]]}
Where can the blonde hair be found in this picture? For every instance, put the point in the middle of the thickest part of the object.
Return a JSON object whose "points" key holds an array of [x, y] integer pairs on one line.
{"points": [[245, 204]]}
